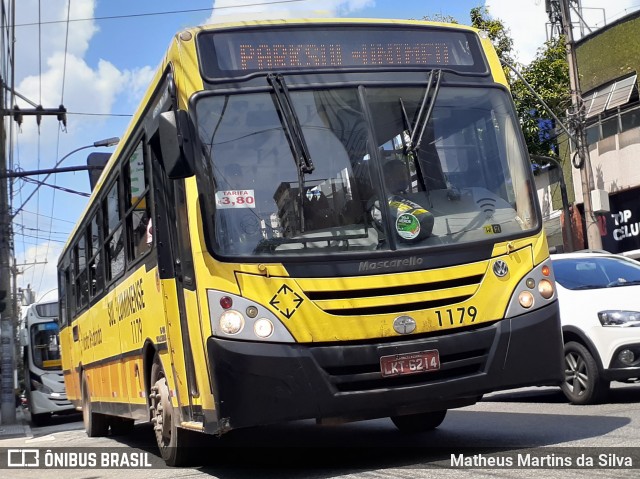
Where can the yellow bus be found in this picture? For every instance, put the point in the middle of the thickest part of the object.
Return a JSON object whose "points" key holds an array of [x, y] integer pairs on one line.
{"points": [[310, 219]]}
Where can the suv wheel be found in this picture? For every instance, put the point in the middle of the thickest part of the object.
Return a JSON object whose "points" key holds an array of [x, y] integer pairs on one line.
{"points": [[583, 382]]}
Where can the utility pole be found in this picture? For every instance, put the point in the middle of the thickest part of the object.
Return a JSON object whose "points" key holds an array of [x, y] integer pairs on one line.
{"points": [[594, 240], [7, 330], [8, 306]]}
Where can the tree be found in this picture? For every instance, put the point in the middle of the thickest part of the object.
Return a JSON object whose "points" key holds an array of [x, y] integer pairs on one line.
{"points": [[439, 17], [498, 33], [548, 75]]}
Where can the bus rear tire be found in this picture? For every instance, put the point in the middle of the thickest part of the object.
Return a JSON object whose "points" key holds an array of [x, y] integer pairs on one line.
{"points": [[173, 442], [95, 424], [414, 423]]}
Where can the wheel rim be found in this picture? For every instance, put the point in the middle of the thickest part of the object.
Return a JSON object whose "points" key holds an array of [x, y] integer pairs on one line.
{"points": [[161, 410], [575, 374]]}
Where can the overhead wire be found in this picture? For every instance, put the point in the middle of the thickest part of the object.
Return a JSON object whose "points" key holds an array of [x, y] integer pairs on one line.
{"points": [[99, 114], [61, 220], [17, 140], [161, 13], [56, 187], [28, 228], [60, 127], [36, 244]]}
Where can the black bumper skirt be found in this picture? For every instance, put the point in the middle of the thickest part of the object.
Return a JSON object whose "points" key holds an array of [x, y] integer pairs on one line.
{"points": [[264, 383]]}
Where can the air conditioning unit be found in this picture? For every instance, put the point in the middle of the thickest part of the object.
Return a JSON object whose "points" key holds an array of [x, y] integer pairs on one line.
{"points": [[600, 201]]}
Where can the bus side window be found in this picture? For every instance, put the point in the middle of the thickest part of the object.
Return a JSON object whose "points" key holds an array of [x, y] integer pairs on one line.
{"points": [[96, 264], [71, 290], [138, 216], [80, 266], [114, 241], [62, 297]]}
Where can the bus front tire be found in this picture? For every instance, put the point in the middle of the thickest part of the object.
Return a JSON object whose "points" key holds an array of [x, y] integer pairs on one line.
{"points": [[39, 420], [414, 423], [95, 424], [173, 441]]}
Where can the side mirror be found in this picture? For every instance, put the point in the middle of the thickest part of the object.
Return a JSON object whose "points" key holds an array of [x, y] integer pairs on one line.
{"points": [[176, 144]]}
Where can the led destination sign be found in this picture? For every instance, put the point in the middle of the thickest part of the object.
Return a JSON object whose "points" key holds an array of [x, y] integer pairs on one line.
{"points": [[262, 56], [237, 53]]}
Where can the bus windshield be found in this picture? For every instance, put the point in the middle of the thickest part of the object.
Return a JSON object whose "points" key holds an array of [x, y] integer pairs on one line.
{"points": [[370, 188], [45, 345]]}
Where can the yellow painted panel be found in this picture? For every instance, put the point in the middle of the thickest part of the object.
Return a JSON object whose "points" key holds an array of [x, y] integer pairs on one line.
{"points": [[307, 321], [374, 301], [389, 280], [52, 363]]}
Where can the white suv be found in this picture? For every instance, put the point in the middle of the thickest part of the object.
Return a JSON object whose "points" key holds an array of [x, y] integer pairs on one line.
{"points": [[599, 297]]}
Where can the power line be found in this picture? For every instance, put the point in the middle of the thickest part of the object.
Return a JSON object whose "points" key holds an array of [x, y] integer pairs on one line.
{"points": [[100, 114], [66, 49], [28, 228], [47, 216], [152, 14], [38, 244], [56, 187]]}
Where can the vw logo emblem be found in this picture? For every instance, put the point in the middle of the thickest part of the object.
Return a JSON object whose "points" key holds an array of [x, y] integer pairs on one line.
{"points": [[404, 325], [500, 268]]}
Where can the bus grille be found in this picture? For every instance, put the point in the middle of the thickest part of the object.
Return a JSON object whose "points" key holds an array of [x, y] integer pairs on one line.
{"points": [[358, 366], [396, 299]]}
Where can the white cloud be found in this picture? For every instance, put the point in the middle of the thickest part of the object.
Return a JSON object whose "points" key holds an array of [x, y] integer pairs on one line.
{"points": [[528, 23], [138, 81], [88, 88], [34, 43], [228, 10], [42, 278]]}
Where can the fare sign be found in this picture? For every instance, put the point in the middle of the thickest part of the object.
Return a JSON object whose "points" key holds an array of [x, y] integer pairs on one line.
{"points": [[235, 199], [410, 363]]}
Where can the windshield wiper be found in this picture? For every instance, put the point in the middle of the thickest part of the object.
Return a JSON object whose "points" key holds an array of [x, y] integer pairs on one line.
{"points": [[416, 131], [589, 286], [424, 114], [616, 284], [290, 123], [293, 131]]}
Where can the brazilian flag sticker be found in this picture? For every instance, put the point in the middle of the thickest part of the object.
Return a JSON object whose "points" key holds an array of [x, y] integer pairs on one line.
{"points": [[408, 226]]}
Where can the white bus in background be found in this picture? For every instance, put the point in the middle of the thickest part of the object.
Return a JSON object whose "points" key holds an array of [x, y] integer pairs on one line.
{"points": [[44, 383]]}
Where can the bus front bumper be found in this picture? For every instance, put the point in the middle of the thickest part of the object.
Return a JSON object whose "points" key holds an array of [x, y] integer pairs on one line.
{"points": [[265, 383]]}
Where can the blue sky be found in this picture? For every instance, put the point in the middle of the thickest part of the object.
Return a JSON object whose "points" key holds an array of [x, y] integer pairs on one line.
{"points": [[100, 65]]}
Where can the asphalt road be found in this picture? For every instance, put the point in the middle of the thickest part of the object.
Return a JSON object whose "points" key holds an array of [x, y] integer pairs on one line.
{"points": [[504, 426]]}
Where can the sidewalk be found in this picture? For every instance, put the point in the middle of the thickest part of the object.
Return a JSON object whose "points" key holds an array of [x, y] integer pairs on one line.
{"points": [[19, 429]]}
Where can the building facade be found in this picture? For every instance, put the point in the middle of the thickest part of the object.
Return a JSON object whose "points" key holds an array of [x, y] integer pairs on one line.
{"points": [[608, 64]]}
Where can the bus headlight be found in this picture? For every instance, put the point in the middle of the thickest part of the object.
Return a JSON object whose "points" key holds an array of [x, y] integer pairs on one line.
{"points": [[247, 321], [526, 299], [534, 291], [263, 328], [545, 288], [231, 321]]}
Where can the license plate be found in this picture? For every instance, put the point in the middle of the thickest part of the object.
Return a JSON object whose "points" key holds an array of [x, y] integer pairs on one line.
{"points": [[410, 363]]}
